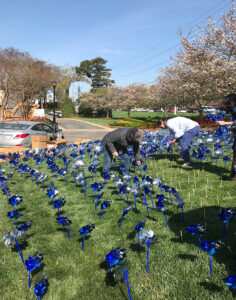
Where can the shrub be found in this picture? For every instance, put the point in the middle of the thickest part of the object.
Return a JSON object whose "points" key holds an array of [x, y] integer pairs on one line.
{"points": [[68, 109]]}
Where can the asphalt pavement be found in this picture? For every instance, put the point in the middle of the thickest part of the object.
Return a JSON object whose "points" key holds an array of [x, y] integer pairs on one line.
{"points": [[74, 129]]}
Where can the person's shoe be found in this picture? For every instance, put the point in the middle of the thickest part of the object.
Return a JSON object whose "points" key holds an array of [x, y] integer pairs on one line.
{"points": [[185, 164]]}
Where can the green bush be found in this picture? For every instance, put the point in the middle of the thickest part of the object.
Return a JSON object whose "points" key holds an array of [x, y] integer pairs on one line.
{"points": [[86, 110], [68, 109]]}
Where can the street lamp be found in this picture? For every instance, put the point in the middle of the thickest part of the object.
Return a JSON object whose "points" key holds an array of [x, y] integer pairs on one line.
{"points": [[54, 85]]}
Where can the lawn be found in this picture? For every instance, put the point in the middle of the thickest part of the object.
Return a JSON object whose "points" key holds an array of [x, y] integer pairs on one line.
{"points": [[178, 268], [141, 117]]}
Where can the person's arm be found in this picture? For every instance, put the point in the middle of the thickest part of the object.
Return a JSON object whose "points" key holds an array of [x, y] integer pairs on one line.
{"points": [[109, 140], [222, 123], [137, 154]]}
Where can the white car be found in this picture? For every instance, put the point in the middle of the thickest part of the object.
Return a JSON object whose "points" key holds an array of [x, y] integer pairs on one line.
{"points": [[208, 109], [19, 133]]}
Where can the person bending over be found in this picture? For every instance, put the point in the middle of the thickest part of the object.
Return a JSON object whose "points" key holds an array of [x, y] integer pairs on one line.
{"points": [[117, 142], [229, 105], [183, 130]]}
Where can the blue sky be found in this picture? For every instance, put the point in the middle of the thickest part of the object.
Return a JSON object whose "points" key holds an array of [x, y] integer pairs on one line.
{"points": [[137, 37]]}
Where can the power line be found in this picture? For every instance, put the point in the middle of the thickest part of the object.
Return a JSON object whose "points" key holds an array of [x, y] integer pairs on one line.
{"points": [[164, 51]]}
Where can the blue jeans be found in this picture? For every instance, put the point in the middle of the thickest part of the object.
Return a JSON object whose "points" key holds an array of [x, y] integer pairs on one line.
{"points": [[185, 141], [108, 159]]}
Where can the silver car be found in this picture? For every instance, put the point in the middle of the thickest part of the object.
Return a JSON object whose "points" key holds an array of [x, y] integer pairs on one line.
{"points": [[19, 133]]}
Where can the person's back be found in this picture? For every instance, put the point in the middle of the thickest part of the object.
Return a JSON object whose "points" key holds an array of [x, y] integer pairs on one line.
{"points": [[180, 125]]}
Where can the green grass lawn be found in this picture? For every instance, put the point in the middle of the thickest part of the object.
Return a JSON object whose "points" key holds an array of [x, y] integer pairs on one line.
{"points": [[138, 115], [178, 268]]}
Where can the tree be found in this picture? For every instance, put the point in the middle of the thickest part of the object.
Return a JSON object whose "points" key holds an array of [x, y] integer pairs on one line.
{"points": [[205, 69], [24, 79], [96, 71]]}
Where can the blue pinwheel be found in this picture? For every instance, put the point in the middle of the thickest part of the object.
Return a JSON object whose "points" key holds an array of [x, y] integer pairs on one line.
{"points": [[157, 182], [15, 200], [104, 205], [197, 230], [41, 178], [123, 190], [32, 263], [225, 216], [64, 221], [114, 257], [160, 206], [85, 230], [139, 227], [11, 237], [96, 187], [147, 237], [125, 212], [63, 172], [41, 286], [52, 193], [60, 202], [33, 173], [168, 189], [210, 247], [231, 281], [15, 214]]}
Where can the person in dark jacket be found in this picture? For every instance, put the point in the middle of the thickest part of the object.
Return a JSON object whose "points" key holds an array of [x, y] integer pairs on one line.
{"points": [[230, 106], [117, 142]]}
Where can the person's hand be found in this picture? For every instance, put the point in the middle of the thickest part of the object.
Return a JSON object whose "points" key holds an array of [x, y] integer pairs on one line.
{"points": [[115, 154], [138, 162], [172, 142]]}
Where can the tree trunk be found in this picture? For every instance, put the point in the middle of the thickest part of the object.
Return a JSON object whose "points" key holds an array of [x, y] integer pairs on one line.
{"points": [[107, 111], [128, 113]]}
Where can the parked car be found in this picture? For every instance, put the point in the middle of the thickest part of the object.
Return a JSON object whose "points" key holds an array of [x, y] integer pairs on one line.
{"points": [[19, 133], [171, 110], [182, 110], [208, 109], [58, 113]]}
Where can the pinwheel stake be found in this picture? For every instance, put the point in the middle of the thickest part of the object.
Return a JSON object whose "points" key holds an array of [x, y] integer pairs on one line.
{"points": [[148, 192], [104, 205], [99, 196], [225, 216], [147, 237], [179, 203], [125, 212], [12, 235], [134, 191], [85, 230], [231, 281], [64, 221], [125, 274], [160, 206], [40, 287], [197, 230], [210, 247], [139, 227], [32, 263]]}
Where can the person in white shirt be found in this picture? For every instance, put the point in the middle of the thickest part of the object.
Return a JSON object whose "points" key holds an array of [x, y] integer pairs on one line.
{"points": [[184, 130]]}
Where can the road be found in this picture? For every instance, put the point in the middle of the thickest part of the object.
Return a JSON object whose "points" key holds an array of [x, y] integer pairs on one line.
{"points": [[75, 129]]}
